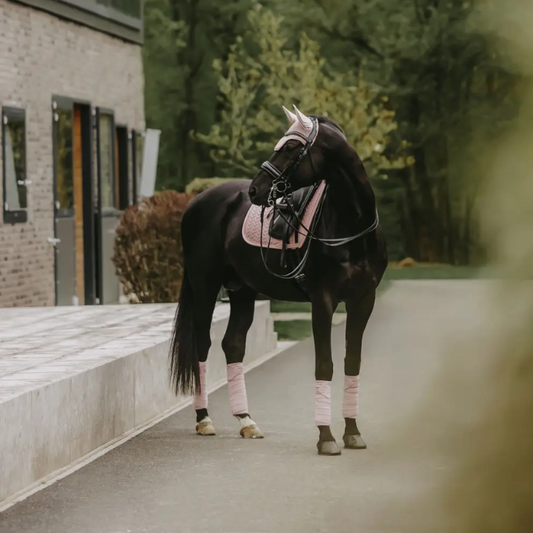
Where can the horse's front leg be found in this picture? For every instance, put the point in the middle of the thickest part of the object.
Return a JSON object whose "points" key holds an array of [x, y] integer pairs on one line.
{"points": [[234, 343], [323, 309], [359, 311]]}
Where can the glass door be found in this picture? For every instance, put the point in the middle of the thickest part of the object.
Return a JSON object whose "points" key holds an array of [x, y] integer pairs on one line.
{"points": [[106, 212], [64, 208]]}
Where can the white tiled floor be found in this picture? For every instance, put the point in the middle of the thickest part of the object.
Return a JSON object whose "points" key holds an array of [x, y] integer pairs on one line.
{"points": [[40, 345]]}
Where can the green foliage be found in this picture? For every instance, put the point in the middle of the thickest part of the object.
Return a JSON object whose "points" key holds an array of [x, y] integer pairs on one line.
{"points": [[450, 95], [419, 71], [262, 73], [182, 39], [148, 254]]}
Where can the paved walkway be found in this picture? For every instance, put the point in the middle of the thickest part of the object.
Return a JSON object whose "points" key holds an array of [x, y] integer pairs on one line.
{"points": [[37, 339], [42, 344], [168, 480]]}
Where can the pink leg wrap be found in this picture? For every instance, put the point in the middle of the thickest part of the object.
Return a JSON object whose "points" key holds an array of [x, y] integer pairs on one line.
{"points": [[237, 390], [350, 402], [323, 403], [200, 400]]}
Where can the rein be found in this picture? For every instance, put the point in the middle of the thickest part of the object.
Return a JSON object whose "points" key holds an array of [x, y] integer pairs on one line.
{"points": [[281, 189]]}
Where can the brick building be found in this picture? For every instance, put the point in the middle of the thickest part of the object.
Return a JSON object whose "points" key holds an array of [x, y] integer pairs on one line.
{"points": [[71, 93]]}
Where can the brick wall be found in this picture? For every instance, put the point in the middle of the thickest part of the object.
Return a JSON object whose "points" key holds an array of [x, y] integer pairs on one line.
{"points": [[41, 56]]}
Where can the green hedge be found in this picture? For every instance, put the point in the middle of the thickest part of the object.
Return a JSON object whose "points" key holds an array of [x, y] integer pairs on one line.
{"points": [[148, 255]]}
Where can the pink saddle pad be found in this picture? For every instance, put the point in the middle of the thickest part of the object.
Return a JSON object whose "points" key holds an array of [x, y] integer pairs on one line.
{"points": [[251, 229]]}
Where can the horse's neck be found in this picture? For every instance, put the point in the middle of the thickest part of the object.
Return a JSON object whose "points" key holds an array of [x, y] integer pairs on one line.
{"points": [[342, 210], [342, 217]]}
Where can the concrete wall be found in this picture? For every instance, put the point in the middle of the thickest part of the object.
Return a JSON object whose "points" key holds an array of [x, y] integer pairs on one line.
{"points": [[41, 56], [73, 381]]}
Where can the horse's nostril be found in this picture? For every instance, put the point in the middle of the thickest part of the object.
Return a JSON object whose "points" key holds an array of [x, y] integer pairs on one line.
{"points": [[253, 193]]}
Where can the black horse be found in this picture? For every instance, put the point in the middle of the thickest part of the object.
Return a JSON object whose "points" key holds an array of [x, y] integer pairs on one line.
{"points": [[344, 261]]}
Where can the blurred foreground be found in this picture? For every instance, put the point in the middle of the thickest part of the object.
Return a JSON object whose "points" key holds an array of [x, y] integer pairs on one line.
{"points": [[480, 408]]}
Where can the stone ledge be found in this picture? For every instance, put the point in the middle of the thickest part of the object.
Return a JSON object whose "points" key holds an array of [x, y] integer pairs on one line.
{"points": [[72, 381]]}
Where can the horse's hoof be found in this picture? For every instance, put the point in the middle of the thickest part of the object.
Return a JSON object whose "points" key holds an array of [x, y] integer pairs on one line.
{"points": [[328, 447], [251, 432], [205, 429], [354, 442]]}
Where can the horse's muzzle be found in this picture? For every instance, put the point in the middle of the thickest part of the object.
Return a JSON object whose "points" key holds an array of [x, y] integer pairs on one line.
{"points": [[257, 195]]}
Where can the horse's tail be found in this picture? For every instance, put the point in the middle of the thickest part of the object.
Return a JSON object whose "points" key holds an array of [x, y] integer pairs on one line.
{"points": [[184, 362]]}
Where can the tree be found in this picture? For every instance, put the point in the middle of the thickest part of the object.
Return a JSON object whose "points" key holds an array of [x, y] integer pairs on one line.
{"points": [[182, 38], [441, 76], [262, 73]]}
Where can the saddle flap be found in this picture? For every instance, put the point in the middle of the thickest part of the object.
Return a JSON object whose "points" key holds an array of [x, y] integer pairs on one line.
{"points": [[257, 223], [285, 221]]}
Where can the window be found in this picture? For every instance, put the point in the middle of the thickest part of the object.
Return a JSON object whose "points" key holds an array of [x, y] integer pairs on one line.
{"points": [[108, 188], [138, 153], [64, 162], [14, 165], [122, 166]]}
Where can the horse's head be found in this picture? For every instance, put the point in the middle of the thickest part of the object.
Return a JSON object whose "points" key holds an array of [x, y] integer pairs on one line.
{"points": [[299, 157]]}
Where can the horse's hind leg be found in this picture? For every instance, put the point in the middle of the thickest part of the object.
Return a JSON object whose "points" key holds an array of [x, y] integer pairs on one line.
{"points": [[205, 301], [234, 343], [322, 313], [358, 312]]}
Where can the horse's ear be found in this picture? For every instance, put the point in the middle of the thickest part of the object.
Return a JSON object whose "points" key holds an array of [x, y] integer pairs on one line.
{"points": [[306, 122], [291, 116]]}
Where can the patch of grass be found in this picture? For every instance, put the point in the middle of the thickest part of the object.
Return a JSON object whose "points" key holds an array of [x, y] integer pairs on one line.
{"points": [[293, 330], [297, 307], [421, 271], [277, 306]]}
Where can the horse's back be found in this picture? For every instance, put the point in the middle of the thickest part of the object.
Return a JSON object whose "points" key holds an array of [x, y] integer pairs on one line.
{"points": [[216, 198], [207, 213]]}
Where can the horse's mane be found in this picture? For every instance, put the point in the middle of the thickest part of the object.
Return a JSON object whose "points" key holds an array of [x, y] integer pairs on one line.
{"points": [[326, 120]]}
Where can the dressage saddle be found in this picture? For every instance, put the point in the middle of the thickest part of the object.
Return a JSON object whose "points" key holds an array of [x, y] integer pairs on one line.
{"points": [[286, 218]]}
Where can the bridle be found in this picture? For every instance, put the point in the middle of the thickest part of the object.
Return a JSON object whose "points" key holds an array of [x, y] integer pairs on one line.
{"points": [[281, 189], [280, 179]]}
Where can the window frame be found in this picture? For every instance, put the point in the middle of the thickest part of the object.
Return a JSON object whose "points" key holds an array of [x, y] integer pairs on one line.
{"points": [[96, 16], [14, 216]]}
